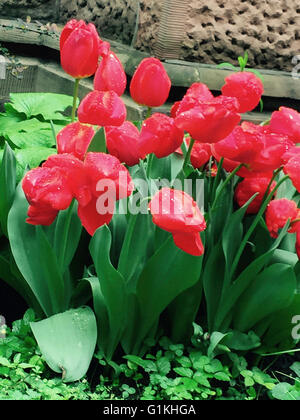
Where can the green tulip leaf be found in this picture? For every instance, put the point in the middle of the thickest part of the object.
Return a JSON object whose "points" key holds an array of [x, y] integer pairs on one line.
{"points": [[67, 341]]}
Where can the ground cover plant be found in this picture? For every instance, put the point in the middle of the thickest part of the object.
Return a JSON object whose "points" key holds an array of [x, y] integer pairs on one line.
{"points": [[119, 233]]}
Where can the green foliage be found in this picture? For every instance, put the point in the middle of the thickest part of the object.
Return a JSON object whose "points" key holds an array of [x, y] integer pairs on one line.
{"points": [[26, 126], [170, 372], [24, 374]]}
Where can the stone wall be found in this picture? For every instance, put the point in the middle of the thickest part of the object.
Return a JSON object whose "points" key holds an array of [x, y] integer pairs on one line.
{"points": [[115, 19], [45, 10], [220, 30]]}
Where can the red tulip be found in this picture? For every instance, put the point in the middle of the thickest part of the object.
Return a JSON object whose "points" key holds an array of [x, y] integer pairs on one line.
{"points": [[73, 172], [200, 155], [292, 169], [246, 87], [75, 139], [90, 218], [279, 212], [102, 108], [63, 177], [150, 84], [159, 135], [286, 121], [79, 49], [177, 213], [110, 75], [100, 166], [196, 93], [258, 147], [47, 187], [124, 143], [209, 121], [242, 145], [250, 186]]}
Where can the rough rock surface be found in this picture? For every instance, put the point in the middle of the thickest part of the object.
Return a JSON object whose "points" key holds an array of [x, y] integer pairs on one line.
{"points": [[269, 30], [45, 10], [115, 19]]}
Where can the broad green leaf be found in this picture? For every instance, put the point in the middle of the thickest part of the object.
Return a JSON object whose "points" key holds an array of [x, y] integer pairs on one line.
{"points": [[135, 248], [31, 158], [67, 341], [35, 258], [7, 185], [67, 234], [182, 313], [213, 280], [233, 234], [285, 392], [279, 334], [8, 120], [112, 287], [167, 274], [101, 313], [236, 340], [271, 291], [215, 339], [98, 143], [39, 138], [48, 105], [243, 281]]}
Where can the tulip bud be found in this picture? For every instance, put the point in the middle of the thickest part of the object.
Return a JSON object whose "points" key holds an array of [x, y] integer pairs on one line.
{"points": [[110, 75], [79, 49], [246, 87], [150, 84]]}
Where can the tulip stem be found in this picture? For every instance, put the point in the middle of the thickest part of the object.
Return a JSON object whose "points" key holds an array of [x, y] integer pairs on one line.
{"points": [[148, 113], [253, 226], [75, 96], [188, 155]]}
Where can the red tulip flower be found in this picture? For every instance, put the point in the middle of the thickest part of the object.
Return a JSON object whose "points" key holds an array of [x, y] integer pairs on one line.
{"points": [[150, 84], [246, 87], [260, 149], [286, 121], [75, 139], [160, 135], [242, 145], [196, 93], [124, 143], [110, 75], [292, 169], [279, 212], [200, 155], [79, 49], [47, 187], [250, 186], [101, 166], [72, 170], [177, 213], [102, 109], [96, 183], [209, 121]]}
